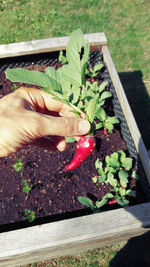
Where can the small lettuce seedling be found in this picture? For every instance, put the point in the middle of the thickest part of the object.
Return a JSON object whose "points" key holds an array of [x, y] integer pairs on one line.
{"points": [[116, 173]]}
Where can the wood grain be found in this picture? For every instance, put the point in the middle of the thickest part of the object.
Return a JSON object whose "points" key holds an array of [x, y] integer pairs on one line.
{"points": [[46, 45], [71, 236]]}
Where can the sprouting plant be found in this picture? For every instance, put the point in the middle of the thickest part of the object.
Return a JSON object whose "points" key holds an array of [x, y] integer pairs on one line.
{"points": [[105, 121], [116, 172], [14, 86], [26, 188], [30, 215], [67, 84], [18, 166], [62, 58], [93, 71]]}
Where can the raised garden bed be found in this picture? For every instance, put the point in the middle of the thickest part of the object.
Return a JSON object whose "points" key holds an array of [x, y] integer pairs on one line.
{"points": [[62, 224]]}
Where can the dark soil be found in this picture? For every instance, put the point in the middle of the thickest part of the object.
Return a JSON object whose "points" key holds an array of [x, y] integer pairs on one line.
{"points": [[54, 194]]}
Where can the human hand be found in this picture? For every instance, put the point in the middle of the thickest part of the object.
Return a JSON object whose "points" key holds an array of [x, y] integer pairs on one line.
{"points": [[32, 116]]}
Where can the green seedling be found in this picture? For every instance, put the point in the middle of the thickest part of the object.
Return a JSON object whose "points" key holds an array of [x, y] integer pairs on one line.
{"points": [[14, 86], [18, 166], [105, 121], [26, 188], [93, 71], [116, 172], [62, 58], [30, 215]]}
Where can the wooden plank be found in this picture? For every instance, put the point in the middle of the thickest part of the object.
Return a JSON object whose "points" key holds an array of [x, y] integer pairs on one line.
{"points": [[135, 133], [73, 235], [46, 45]]}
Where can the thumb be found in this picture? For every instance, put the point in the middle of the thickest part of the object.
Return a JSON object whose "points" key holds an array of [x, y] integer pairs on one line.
{"points": [[62, 126]]}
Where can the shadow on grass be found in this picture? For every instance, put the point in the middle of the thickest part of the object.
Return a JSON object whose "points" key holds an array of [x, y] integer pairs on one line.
{"points": [[139, 101], [135, 253]]}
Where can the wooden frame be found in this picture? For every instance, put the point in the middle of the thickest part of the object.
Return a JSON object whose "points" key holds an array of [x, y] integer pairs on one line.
{"points": [[69, 236]]}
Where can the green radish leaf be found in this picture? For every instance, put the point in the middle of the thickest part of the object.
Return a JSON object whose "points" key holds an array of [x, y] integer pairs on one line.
{"points": [[130, 192], [98, 67], [52, 73], [99, 125], [114, 163], [114, 156], [101, 203], [76, 94], [134, 175], [98, 164], [62, 58], [101, 115], [100, 104], [71, 74], [108, 126], [91, 109], [31, 77], [105, 95], [102, 179], [86, 202], [127, 163], [104, 200], [113, 120], [111, 180], [123, 202], [102, 86], [74, 46], [123, 176], [122, 191], [95, 179]]}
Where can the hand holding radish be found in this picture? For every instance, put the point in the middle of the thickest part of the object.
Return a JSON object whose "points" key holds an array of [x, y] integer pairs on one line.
{"points": [[31, 116]]}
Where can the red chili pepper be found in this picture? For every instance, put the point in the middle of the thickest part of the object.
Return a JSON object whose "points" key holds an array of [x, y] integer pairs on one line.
{"points": [[123, 187], [85, 147], [113, 201]]}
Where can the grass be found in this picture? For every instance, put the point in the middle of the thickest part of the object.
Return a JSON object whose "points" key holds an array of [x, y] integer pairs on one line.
{"points": [[126, 24], [127, 27], [95, 258]]}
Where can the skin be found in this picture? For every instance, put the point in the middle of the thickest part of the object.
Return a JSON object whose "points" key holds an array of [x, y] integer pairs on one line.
{"points": [[30, 116]]}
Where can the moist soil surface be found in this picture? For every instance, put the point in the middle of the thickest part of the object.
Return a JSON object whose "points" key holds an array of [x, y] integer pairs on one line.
{"points": [[54, 193]]}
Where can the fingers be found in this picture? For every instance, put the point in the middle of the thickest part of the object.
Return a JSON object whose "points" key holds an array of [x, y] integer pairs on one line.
{"points": [[41, 100], [62, 126], [51, 143]]}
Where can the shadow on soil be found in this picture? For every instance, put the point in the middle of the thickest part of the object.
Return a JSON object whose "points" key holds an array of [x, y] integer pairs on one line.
{"points": [[137, 250], [139, 101]]}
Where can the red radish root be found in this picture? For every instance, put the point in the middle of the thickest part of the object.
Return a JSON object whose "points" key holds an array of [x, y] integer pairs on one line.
{"points": [[105, 131], [85, 147], [113, 201]]}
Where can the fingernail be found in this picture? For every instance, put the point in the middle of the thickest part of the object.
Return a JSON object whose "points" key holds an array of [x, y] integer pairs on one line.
{"points": [[84, 126]]}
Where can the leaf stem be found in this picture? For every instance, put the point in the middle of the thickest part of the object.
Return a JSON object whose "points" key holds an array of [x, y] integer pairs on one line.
{"points": [[62, 99]]}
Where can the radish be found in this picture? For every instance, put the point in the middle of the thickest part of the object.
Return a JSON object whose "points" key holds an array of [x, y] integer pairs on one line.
{"points": [[105, 131], [92, 80], [113, 201], [85, 147]]}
